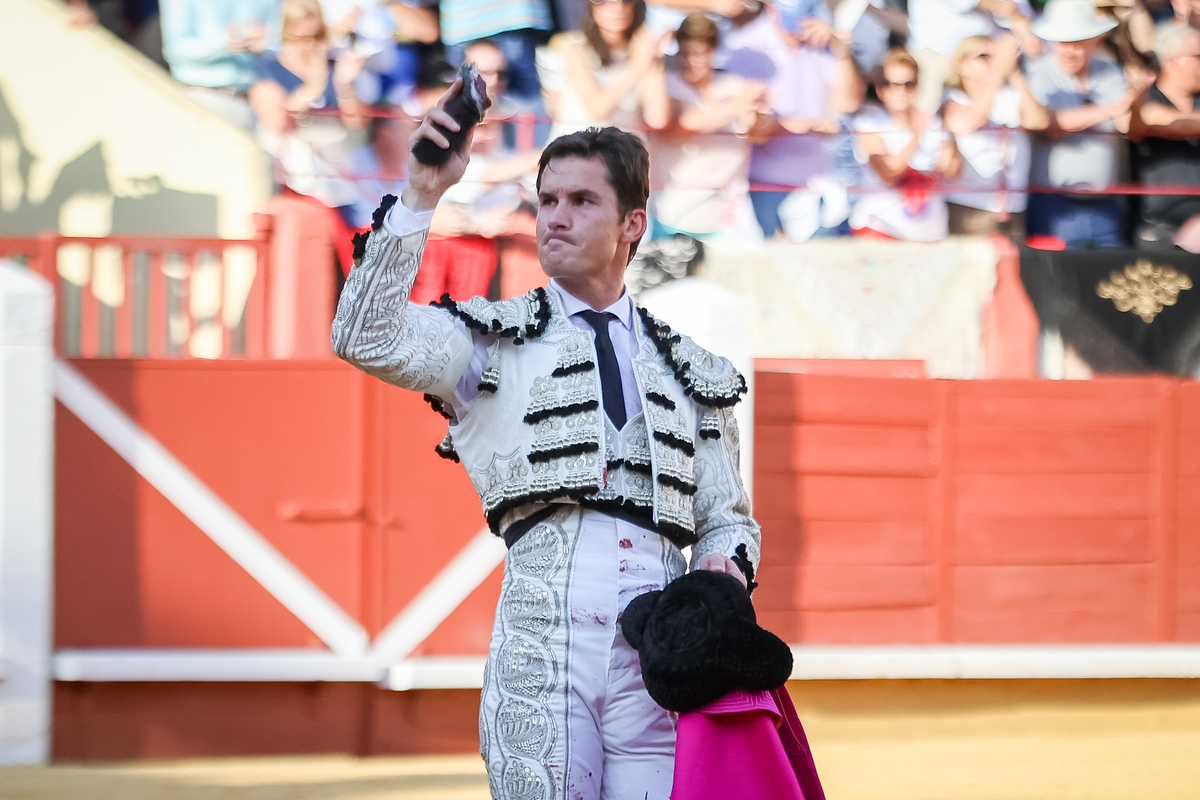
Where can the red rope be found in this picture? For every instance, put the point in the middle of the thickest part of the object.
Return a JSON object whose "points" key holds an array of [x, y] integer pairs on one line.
{"points": [[526, 122]]}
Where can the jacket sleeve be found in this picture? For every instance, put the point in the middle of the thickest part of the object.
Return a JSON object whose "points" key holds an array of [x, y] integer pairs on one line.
{"points": [[376, 329], [721, 504]]}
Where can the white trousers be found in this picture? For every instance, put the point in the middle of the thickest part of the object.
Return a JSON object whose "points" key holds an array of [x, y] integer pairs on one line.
{"points": [[564, 713]]}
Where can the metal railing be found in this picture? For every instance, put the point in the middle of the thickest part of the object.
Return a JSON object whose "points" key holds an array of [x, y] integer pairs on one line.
{"points": [[153, 296]]}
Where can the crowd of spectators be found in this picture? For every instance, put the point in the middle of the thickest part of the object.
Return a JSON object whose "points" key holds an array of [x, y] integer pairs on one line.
{"points": [[790, 119]]}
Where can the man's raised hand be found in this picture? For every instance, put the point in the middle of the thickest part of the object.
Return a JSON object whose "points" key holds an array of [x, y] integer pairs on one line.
{"points": [[427, 183]]}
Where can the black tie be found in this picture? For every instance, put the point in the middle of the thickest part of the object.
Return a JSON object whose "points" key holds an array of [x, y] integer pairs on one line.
{"points": [[610, 371]]}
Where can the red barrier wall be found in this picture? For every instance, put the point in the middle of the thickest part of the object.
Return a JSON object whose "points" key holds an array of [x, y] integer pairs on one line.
{"points": [[894, 510], [978, 511], [335, 469]]}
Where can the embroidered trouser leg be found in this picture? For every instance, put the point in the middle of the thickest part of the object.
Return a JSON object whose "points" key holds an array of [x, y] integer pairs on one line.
{"points": [[564, 712], [622, 742]]}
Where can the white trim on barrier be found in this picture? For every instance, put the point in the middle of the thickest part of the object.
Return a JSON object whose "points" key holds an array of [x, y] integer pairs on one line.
{"points": [[212, 665], [446, 592], [387, 662], [246, 546], [812, 662], [825, 662], [436, 672]]}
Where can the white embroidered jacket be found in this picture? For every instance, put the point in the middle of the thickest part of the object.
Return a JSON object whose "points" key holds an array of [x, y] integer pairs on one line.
{"points": [[537, 434]]}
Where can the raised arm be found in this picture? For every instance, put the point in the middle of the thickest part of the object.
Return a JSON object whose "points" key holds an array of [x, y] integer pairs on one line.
{"points": [[1169, 123], [376, 329], [600, 102]]}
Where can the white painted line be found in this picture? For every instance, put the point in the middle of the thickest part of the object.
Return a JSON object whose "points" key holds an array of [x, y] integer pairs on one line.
{"points": [[465, 572], [212, 665], [436, 672], [825, 662], [287, 584], [813, 662]]}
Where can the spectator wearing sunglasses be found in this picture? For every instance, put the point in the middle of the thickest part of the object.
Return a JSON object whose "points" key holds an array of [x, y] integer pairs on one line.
{"points": [[937, 27], [988, 102], [910, 154], [609, 73], [1089, 102], [487, 56], [517, 27]]}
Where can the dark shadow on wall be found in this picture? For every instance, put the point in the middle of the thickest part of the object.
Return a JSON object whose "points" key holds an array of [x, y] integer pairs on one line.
{"points": [[154, 210]]}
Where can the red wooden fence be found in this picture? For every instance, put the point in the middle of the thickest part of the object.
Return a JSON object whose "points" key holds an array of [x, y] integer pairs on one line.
{"points": [[978, 511], [894, 510], [336, 470]]}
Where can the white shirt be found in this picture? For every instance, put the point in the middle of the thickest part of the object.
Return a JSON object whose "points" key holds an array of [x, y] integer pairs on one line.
{"points": [[1084, 159], [993, 158], [620, 331]]}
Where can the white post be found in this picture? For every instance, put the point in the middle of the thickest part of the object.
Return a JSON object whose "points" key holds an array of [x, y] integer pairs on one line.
{"points": [[26, 513]]}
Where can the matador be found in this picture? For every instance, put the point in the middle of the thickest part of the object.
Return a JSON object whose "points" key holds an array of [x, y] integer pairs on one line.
{"points": [[601, 442]]}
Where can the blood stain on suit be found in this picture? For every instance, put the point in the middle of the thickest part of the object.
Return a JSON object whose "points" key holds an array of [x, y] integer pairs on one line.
{"points": [[579, 617]]}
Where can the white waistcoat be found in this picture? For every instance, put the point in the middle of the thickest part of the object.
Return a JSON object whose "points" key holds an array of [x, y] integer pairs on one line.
{"points": [[537, 433]]}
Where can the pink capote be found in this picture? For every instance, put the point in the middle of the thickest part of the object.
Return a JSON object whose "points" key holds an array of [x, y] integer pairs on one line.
{"points": [[745, 746]]}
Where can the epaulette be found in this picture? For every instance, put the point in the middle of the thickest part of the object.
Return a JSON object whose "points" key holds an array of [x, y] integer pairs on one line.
{"points": [[708, 379], [520, 318]]}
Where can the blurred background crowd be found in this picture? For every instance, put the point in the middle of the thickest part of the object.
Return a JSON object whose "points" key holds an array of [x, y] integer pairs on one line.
{"points": [[1069, 125]]}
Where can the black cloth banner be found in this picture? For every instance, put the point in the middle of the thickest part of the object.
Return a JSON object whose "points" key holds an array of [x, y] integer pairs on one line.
{"points": [[1121, 310]]}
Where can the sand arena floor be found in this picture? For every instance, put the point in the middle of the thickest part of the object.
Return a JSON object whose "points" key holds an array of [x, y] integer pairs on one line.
{"points": [[1137, 764], [291, 778]]}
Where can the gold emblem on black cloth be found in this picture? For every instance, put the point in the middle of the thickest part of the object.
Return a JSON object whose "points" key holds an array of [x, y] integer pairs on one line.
{"points": [[1144, 288]]}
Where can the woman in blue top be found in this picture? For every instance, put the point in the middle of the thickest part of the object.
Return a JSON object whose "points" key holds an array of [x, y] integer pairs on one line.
{"points": [[312, 149]]}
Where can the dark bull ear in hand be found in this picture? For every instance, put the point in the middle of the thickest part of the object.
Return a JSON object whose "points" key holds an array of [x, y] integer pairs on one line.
{"points": [[466, 108]]}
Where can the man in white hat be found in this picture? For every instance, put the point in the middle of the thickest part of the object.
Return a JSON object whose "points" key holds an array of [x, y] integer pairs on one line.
{"points": [[1089, 102]]}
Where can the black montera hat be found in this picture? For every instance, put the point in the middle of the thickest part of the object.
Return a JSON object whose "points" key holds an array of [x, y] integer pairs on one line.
{"points": [[698, 640]]}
